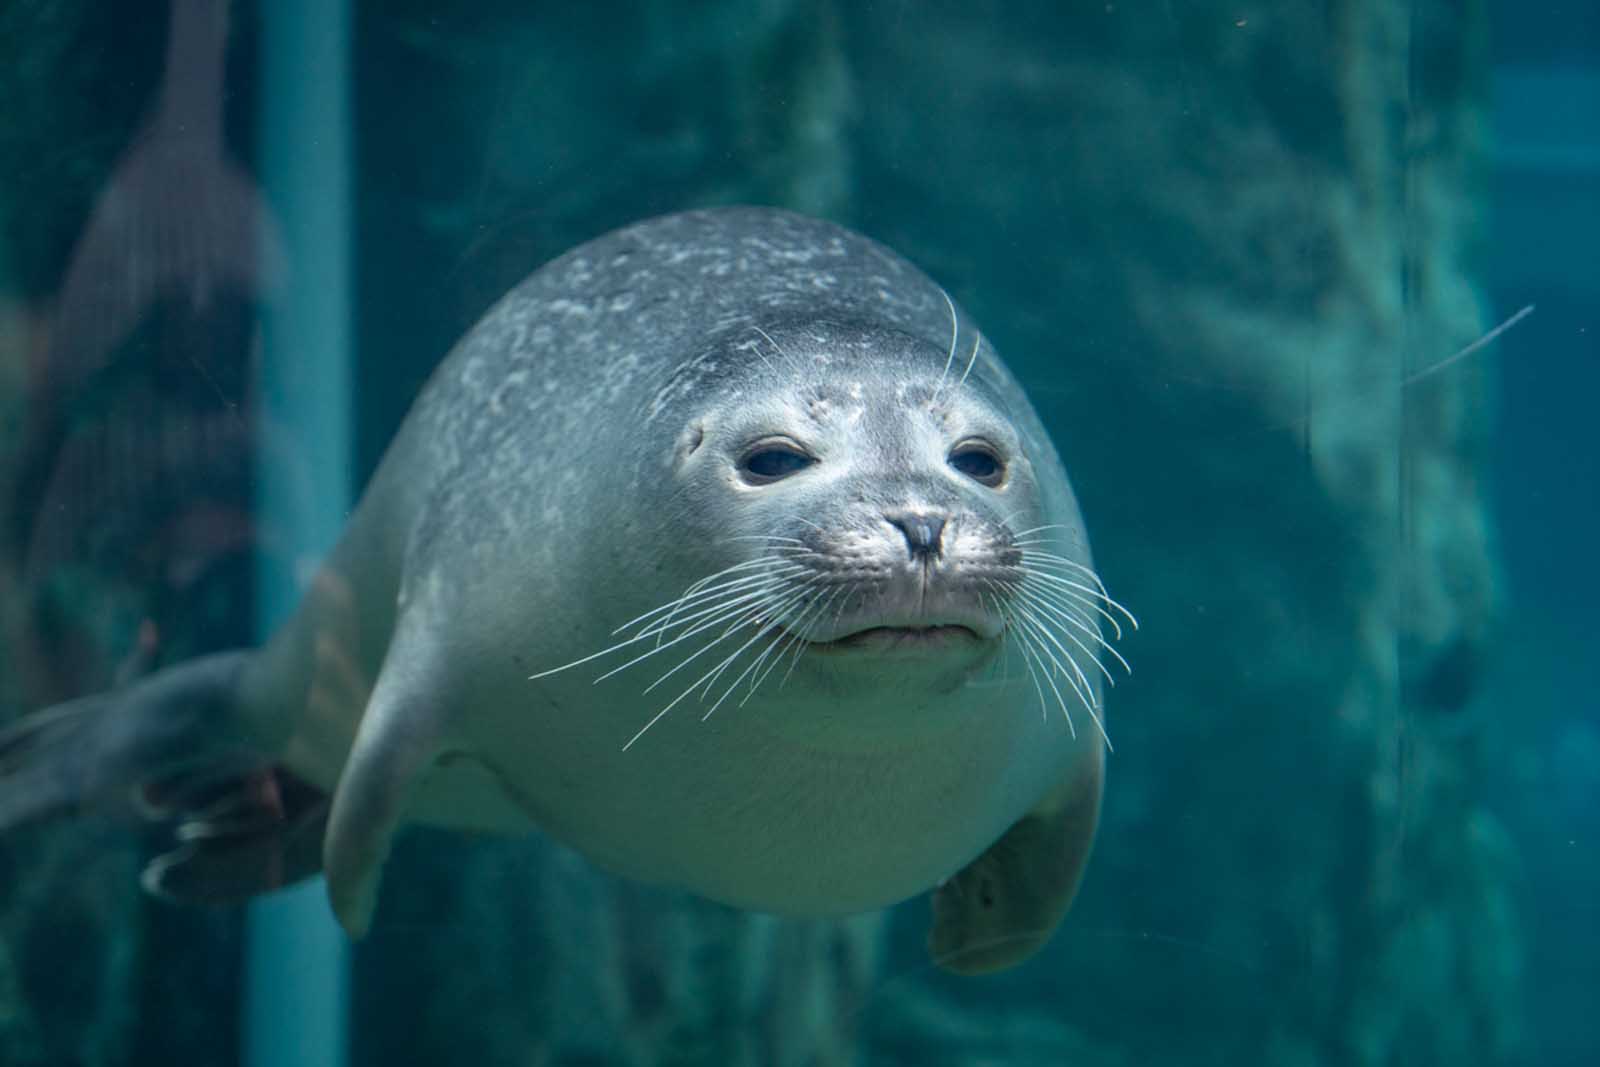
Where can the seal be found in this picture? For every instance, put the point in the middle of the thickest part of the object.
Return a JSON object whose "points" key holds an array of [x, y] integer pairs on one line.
{"points": [[723, 549]]}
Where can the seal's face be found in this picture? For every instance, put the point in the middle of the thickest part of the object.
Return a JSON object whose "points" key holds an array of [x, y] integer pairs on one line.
{"points": [[848, 514], [866, 507], [893, 504]]}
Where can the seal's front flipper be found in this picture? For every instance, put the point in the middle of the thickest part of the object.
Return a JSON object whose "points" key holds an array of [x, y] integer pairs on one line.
{"points": [[1003, 906], [395, 745], [98, 751]]}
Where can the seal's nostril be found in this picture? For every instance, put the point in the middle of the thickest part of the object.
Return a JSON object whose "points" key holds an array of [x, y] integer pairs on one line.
{"points": [[924, 532]]}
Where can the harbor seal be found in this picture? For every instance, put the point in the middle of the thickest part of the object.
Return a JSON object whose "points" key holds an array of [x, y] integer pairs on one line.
{"points": [[723, 549]]}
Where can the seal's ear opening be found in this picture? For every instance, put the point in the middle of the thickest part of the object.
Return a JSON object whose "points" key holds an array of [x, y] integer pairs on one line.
{"points": [[394, 747], [688, 443]]}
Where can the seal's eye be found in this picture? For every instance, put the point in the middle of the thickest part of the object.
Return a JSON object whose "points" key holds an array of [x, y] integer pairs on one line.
{"points": [[979, 462], [770, 461]]}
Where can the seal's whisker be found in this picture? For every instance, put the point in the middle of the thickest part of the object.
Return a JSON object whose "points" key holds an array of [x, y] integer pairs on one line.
{"points": [[1091, 596], [1035, 542], [705, 614], [723, 578], [715, 616], [772, 655], [694, 685], [1005, 523], [950, 358], [1077, 594], [1033, 559], [776, 630], [850, 591], [778, 637], [1034, 658], [710, 602], [745, 617], [798, 641], [1040, 529], [1011, 629], [800, 644], [1057, 560], [1004, 666], [1044, 606], [794, 637], [1071, 617], [783, 607], [716, 611], [972, 359], [721, 593], [1076, 677], [762, 567], [1080, 686], [771, 342]]}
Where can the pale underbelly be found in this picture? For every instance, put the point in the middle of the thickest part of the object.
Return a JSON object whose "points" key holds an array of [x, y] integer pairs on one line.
{"points": [[754, 820]]}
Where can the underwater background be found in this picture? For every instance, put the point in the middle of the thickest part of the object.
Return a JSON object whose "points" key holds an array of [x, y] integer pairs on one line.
{"points": [[1240, 254]]}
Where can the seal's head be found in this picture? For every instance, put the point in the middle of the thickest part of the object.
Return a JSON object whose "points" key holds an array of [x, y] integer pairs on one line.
{"points": [[865, 519]]}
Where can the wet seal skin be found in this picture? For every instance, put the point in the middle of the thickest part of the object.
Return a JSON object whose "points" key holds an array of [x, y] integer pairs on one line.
{"points": [[723, 549]]}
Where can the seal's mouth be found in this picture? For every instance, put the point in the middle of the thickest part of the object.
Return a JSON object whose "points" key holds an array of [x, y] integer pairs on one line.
{"points": [[933, 637]]}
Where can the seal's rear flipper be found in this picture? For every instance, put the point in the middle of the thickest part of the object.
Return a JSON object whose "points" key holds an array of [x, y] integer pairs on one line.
{"points": [[95, 752], [174, 746], [259, 831]]}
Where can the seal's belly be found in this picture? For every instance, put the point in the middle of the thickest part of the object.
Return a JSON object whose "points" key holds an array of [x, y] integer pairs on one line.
{"points": [[755, 819]]}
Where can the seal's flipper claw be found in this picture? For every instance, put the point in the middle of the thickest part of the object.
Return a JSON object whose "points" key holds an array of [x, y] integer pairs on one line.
{"points": [[394, 747], [1003, 906]]}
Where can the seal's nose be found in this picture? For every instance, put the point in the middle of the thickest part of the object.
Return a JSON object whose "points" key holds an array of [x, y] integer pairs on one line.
{"points": [[924, 532]]}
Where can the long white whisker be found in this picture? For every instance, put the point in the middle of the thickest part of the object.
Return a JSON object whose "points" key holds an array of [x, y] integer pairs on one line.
{"points": [[976, 341], [693, 686], [1030, 654], [1066, 589], [1076, 677], [794, 636], [949, 360], [774, 619], [1081, 686], [777, 631], [1045, 606], [1073, 615], [1041, 529], [799, 645], [737, 593], [1089, 596], [773, 654], [745, 618], [1004, 667], [703, 588], [749, 604], [784, 633], [771, 342], [1056, 560]]}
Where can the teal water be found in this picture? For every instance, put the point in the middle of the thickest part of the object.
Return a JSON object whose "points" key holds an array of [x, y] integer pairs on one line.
{"points": [[1233, 252]]}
